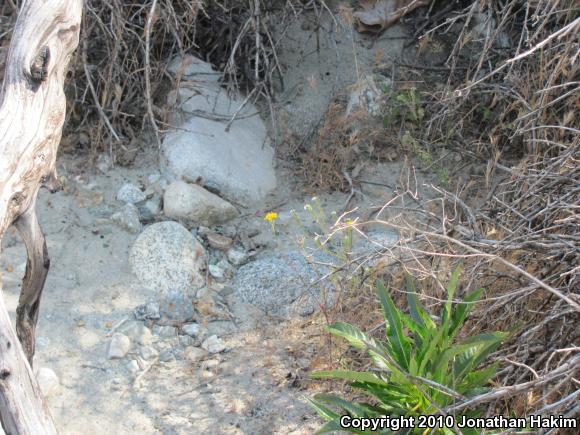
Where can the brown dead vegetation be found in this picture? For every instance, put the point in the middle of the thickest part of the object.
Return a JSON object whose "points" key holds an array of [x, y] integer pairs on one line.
{"points": [[512, 109]]}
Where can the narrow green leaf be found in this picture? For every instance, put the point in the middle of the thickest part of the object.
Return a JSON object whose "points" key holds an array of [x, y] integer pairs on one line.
{"points": [[390, 393], [322, 410], [352, 334], [334, 426], [352, 408], [417, 330], [477, 378], [434, 343], [462, 310], [397, 338], [349, 376], [482, 346], [451, 287], [378, 351], [415, 306]]}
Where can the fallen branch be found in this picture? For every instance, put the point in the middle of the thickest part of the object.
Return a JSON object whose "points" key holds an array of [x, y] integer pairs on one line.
{"points": [[569, 368], [32, 113]]}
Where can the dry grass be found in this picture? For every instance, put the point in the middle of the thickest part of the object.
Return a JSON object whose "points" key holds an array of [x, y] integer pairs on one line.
{"points": [[513, 109], [118, 80]]}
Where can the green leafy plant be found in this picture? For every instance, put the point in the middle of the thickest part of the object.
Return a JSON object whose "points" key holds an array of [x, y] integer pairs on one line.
{"points": [[419, 369], [407, 106], [444, 177], [335, 239], [410, 143]]}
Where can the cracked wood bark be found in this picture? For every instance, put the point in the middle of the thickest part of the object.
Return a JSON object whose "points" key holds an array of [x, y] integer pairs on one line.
{"points": [[32, 112]]}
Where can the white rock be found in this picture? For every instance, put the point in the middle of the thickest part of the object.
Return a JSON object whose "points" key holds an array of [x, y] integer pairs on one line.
{"points": [[195, 206], [153, 178], [206, 375], [192, 329], [217, 273], [130, 194], [47, 380], [119, 346], [211, 364], [186, 340], [226, 267], [104, 163], [128, 218], [166, 356], [133, 366], [194, 354], [237, 257], [238, 162], [138, 333], [148, 353], [165, 331], [213, 344], [168, 257]]}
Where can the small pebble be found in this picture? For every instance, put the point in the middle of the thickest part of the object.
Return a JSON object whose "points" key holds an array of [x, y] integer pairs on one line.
{"points": [[149, 353], [211, 364], [128, 218], [166, 356], [133, 366], [47, 380], [165, 331], [217, 273], [148, 311], [206, 375], [186, 340], [194, 354], [237, 257], [214, 344], [119, 346], [154, 178], [218, 241], [130, 194], [191, 329]]}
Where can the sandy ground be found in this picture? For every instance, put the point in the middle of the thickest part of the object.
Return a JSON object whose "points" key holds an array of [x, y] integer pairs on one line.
{"points": [[91, 289], [249, 389]]}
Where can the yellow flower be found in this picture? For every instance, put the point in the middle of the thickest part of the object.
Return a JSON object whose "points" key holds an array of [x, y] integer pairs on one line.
{"points": [[349, 222], [271, 216]]}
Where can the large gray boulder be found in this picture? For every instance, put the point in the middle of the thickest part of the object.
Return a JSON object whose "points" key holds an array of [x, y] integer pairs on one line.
{"points": [[189, 67], [195, 206], [167, 257], [239, 161], [284, 284]]}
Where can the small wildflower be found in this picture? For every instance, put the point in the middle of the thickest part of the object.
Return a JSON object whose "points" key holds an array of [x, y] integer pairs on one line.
{"points": [[271, 217], [349, 222]]}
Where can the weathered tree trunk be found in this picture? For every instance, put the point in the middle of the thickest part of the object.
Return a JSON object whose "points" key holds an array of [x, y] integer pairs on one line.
{"points": [[32, 112]]}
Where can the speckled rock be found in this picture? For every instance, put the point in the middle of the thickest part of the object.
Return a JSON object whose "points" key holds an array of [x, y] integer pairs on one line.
{"points": [[130, 194], [168, 257], [284, 284], [128, 218]]}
